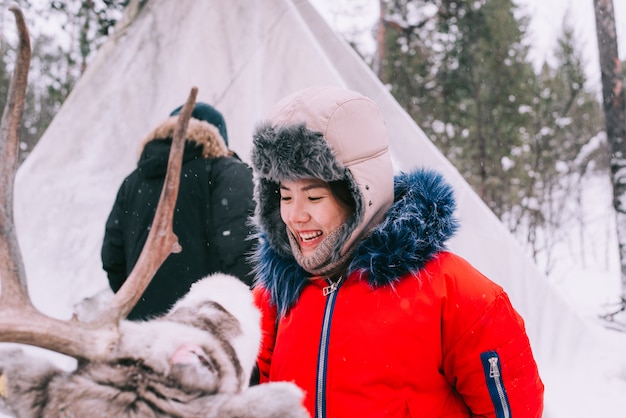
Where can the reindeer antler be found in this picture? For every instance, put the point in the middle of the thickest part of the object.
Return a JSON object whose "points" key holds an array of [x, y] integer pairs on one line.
{"points": [[161, 240], [14, 292], [20, 321]]}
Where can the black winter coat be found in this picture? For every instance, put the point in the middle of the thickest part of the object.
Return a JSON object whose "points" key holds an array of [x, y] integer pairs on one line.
{"points": [[210, 219]]}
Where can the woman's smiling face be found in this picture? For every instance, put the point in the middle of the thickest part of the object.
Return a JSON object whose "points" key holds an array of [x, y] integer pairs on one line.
{"points": [[311, 211]]}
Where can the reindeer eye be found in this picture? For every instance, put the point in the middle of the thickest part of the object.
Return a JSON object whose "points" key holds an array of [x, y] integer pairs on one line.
{"points": [[205, 361]]}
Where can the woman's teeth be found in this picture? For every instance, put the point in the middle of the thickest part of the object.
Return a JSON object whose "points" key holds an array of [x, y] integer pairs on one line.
{"points": [[310, 236]]}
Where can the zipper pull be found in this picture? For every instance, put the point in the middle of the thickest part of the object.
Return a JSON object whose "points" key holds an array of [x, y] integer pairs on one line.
{"points": [[494, 370], [332, 287]]}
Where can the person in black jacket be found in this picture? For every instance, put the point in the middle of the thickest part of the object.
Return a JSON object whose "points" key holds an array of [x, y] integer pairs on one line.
{"points": [[210, 218]]}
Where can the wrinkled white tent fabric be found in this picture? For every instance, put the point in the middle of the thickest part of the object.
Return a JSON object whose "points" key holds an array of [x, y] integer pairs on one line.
{"points": [[243, 55]]}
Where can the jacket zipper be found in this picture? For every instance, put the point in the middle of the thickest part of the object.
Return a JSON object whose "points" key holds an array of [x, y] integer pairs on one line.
{"points": [[495, 385], [320, 401]]}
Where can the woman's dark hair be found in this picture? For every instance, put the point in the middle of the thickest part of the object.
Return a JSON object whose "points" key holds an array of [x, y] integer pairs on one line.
{"points": [[341, 190]]}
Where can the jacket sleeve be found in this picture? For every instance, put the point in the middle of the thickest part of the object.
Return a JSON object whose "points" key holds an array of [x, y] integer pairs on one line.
{"points": [[232, 208], [487, 353], [112, 253], [268, 332]]}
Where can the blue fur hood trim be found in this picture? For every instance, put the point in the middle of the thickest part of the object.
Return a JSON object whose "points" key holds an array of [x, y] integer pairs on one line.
{"points": [[415, 228]]}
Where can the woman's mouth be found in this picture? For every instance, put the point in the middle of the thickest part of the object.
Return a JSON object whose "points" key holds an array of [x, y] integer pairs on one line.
{"points": [[306, 237]]}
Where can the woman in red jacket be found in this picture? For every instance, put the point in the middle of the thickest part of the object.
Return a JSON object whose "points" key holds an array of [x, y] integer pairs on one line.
{"points": [[363, 307]]}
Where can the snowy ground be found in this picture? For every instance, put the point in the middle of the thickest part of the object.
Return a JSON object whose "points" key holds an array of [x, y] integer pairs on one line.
{"points": [[587, 271], [587, 276]]}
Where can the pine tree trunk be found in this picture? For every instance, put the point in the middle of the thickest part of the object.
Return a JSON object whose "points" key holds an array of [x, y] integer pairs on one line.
{"points": [[615, 115], [381, 35]]}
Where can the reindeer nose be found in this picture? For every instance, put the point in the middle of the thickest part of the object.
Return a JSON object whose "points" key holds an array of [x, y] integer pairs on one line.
{"points": [[188, 354]]}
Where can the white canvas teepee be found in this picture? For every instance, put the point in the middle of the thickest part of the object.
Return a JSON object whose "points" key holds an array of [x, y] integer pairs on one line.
{"points": [[243, 55]]}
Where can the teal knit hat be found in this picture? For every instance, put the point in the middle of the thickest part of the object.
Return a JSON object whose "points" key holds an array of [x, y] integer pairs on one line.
{"points": [[207, 113]]}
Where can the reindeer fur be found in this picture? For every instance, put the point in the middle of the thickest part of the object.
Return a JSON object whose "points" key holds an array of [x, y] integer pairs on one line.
{"points": [[195, 361]]}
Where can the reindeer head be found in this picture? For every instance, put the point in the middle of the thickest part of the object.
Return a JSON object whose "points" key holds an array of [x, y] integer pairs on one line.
{"points": [[195, 361], [191, 361]]}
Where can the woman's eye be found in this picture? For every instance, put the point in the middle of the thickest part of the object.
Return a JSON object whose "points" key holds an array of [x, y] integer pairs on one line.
{"points": [[285, 198], [314, 198]]}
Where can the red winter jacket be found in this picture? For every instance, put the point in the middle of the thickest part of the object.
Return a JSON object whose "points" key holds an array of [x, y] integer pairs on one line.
{"points": [[446, 343]]}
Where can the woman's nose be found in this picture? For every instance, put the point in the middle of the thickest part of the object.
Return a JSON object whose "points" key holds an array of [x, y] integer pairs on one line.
{"points": [[298, 212]]}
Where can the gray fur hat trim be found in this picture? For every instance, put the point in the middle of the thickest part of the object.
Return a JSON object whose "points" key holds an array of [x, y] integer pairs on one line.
{"points": [[294, 152]]}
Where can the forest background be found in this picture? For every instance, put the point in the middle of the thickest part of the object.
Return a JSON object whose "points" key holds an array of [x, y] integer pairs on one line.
{"points": [[527, 137]]}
